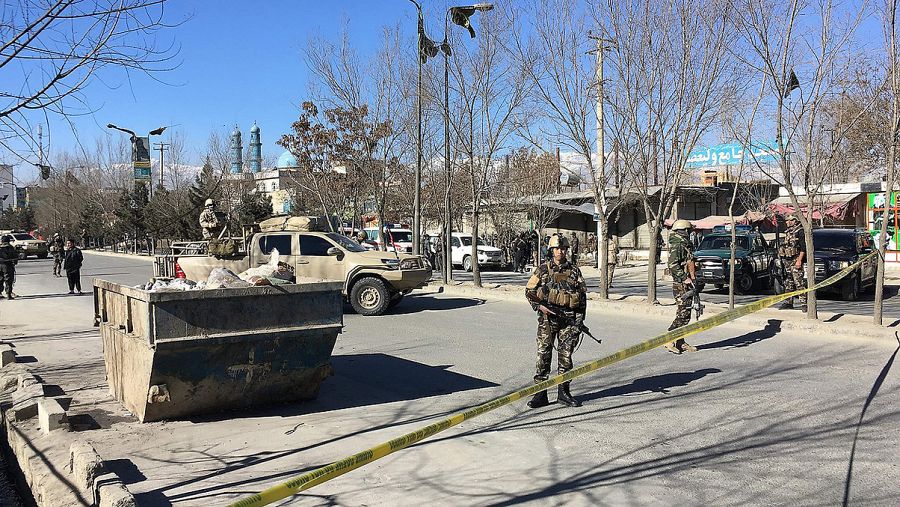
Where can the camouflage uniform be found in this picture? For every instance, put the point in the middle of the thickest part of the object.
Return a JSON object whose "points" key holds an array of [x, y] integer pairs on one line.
{"points": [[210, 223], [680, 253], [792, 246], [562, 289]]}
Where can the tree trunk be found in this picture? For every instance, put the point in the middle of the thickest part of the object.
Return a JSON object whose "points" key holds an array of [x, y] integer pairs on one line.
{"points": [[890, 175], [732, 247], [603, 243], [651, 264], [811, 310], [476, 272]]}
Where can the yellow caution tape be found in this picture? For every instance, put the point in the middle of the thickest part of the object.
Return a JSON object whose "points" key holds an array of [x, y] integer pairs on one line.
{"points": [[328, 472]]}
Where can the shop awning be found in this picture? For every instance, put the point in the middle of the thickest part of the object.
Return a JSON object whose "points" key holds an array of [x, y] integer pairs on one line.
{"points": [[834, 206], [712, 221]]}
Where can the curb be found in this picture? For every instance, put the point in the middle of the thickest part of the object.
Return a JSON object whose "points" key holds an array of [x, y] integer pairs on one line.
{"points": [[849, 327], [147, 258], [38, 434]]}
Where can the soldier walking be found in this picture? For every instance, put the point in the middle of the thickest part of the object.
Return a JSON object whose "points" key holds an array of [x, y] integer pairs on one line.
{"points": [[612, 259], [575, 248], [9, 257], [792, 252], [681, 266], [557, 291], [57, 248]]}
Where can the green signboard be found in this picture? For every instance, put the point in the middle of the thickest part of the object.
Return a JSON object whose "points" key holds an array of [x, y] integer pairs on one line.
{"points": [[876, 203]]}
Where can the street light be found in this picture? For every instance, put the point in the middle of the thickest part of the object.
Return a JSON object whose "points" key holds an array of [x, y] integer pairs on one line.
{"points": [[134, 143], [460, 16], [427, 49]]}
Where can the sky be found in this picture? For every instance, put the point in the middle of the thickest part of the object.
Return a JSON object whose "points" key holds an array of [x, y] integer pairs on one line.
{"points": [[239, 62]]}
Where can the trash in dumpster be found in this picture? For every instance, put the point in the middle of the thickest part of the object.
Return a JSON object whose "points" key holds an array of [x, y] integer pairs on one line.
{"points": [[264, 271], [170, 285], [221, 278]]}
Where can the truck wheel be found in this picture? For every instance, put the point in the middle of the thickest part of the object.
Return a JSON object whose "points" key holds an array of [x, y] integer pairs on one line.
{"points": [[467, 263], [850, 288], [370, 296], [22, 256], [744, 283]]}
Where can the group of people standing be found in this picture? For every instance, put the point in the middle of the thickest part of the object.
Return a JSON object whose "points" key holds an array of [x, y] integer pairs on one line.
{"points": [[67, 257]]}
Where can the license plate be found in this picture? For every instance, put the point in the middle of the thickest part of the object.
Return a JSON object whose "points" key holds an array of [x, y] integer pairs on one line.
{"points": [[707, 273]]}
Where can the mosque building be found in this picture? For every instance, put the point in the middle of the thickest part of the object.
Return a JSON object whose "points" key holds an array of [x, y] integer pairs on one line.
{"points": [[274, 182]]}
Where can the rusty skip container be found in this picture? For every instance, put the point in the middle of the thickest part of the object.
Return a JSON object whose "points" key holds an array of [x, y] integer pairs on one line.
{"points": [[175, 354]]}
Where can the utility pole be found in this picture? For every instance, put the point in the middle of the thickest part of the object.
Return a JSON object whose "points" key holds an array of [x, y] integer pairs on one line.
{"points": [[599, 207], [162, 147]]}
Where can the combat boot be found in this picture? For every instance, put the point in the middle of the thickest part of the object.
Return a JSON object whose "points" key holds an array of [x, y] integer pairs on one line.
{"points": [[671, 347], [539, 400], [565, 397], [687, 347]]}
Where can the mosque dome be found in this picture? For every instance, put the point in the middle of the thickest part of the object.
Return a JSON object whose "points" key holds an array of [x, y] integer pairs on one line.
{"points": [[286, 160], [254, 129]]}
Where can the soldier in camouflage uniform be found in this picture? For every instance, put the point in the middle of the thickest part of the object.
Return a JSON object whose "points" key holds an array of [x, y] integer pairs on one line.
{"points": [[792, 252], [557, 291], [681, 267]]}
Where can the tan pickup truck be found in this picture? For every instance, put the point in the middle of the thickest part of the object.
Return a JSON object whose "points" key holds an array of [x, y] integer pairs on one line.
{"points": [[373, 281]]}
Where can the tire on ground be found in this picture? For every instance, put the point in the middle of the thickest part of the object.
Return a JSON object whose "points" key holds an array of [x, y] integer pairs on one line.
{"points": [[370, 296]]}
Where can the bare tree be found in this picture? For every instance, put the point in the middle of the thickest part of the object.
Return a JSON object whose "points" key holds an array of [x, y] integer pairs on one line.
{"points": [[555, 56], [890, 28], [489, 89], [671, 78], [50, 51], [776, 43]]}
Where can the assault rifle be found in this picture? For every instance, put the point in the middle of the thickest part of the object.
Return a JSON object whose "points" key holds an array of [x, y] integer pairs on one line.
{"points": [[696, 304], [570, 321]]}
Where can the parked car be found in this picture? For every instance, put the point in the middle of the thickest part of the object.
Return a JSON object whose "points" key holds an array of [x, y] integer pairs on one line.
{"points": [[27, 245], [398, 239], [461, 251], [752, 256], [834, 250]]}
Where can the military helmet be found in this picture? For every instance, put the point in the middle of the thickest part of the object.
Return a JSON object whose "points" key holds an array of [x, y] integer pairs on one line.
{"points": [[557, 241], [209, 202], [681, 225], [791, 217]]}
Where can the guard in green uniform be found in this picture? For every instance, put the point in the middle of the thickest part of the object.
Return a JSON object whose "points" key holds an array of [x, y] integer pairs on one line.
{"points": [[792, 252], [681, 267]]}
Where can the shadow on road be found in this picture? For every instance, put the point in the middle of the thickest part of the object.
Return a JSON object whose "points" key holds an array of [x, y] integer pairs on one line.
{"points": [[426, 302], [653, 384], [772, 328]]}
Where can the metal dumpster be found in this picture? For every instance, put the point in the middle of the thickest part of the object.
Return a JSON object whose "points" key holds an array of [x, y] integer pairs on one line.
{"points": [[177, 354]]}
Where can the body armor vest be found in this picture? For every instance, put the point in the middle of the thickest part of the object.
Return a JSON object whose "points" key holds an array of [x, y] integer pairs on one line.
{"points": [[559, 289]]}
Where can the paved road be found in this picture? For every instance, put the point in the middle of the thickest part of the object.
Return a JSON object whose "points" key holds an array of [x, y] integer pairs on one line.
{"points": [[633, 282], [758, 416]]}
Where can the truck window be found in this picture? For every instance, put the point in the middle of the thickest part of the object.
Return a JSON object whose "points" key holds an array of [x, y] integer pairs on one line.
{"points": [[455, 242], [314, 245], [281, 242]]}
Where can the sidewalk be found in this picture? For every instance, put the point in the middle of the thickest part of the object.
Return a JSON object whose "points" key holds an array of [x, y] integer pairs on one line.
{"points": [[835, 324]]}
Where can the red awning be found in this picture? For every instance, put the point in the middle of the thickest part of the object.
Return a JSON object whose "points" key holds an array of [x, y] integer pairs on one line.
{"points": [[835, 206]]}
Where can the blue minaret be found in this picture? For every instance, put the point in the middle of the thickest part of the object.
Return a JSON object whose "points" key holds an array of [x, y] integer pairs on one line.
{"points": [[237, 162], [255, 149]]}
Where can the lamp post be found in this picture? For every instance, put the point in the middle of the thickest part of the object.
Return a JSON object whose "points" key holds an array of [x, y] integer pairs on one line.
{"points": [[460, 16], [134, 140]]}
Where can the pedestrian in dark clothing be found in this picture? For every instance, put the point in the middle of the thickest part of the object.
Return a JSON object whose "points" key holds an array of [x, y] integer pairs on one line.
{"points": [[72, 266], [9, 257]]}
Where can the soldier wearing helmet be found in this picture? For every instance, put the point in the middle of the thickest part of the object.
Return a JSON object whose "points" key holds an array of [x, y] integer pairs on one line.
{"points": [[9, 257], [209, 220], [557, 291], [681, 267], [792, 252]]}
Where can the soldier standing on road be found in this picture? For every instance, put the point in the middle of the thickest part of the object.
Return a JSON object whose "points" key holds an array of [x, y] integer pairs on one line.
{"points": [[557, 291], [612, 259], [439, 252], [681, 266], [792, 252], [209, 221], [57, 248], [575, 249], [9, 257]]}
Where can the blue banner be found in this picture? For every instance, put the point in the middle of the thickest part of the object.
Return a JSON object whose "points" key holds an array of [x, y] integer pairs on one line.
{"points": [[733, 154]]}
